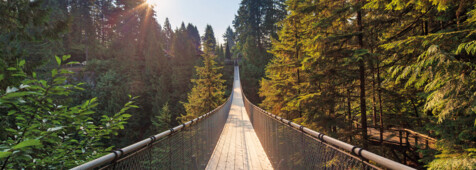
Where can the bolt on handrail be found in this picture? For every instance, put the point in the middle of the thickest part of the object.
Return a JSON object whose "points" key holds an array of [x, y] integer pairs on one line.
{"points": [[115, 155], [382, 161]]}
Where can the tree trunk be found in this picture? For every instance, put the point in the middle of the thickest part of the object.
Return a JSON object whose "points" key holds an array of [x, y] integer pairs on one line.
{"points": [[349, 114], [297, 48], [415, 109], [374, 102], [363, 108], [458, 13], [380, 101]]}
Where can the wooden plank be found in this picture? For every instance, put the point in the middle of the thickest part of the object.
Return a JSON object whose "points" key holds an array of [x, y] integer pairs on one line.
{"points": [[230, 159], [213, 162], [238, 165], [258, 158], [226, 146], [238, 146]]}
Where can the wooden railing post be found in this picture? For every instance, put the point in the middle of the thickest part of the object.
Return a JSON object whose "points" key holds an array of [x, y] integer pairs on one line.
{"points": [[406, 139], [400, 136], [416, 141]]}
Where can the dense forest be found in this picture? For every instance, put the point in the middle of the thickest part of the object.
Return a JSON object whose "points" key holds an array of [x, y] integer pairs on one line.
{"points": [[127, 77], [79, 78], [378, 63]]}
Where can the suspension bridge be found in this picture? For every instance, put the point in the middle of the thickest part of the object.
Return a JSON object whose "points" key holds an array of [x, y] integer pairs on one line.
{"points": [[240, 135]]}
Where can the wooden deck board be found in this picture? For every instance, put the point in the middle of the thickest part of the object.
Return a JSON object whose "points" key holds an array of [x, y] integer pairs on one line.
{"points": [[238, 146]]}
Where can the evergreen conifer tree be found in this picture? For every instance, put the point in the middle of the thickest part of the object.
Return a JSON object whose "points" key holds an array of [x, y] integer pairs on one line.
{"points": [[208, 88]]}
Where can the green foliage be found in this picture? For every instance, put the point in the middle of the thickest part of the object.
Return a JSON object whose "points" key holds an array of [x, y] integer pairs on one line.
{"points": [[255, 25], [229, 38], [208, 90], [209, 40], [116, 48], [455, 161], [439, 74], [42, 130], [284, 72], [27, 25], [163, 121], [415, 57], [469, 47]]}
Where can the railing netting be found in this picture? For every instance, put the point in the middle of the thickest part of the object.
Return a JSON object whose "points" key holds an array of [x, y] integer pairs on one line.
{"points": [[187, 146], [290, 148]]}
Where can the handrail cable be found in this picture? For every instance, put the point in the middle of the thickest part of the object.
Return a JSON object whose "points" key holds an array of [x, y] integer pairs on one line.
{"points": [[131, 150], [360, 152]]}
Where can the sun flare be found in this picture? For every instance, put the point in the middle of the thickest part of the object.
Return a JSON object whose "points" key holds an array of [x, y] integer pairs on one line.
{"points": [[152, 2]]}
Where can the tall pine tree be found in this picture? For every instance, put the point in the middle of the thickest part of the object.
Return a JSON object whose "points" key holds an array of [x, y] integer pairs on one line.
{"points": [[208, 88]]}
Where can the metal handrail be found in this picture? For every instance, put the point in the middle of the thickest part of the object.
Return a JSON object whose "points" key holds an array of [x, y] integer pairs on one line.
{"points": [[141, 144], [385, 162]]}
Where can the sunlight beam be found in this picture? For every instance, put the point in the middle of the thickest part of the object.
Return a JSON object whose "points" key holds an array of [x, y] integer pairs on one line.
{"points": [[152, 2]]}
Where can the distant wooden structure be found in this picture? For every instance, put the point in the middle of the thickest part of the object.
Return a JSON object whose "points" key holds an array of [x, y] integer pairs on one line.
{"points": [[401, 137]]}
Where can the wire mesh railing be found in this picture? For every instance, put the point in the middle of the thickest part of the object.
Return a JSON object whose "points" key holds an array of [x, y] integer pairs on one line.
{"points": [[292, 146], [187, 146]]}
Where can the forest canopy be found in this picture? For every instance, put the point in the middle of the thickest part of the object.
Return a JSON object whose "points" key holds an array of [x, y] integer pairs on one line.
{"points": [[381, 64], [79, 78], [119, 77]]}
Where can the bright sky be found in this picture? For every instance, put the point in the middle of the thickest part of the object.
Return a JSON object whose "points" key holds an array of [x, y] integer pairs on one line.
{"points": [[218, 13]]}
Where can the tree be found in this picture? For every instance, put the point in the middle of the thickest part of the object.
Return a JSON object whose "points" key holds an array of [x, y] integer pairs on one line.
{"points": [[408, 63], [163, 121], [27, 25], [127, 52], [282, 86], [439, 71], [194, 34], [208, 38], [43, 126], [227, 51], [229, 38], [168, 34], [255, 26], [208, 90]]}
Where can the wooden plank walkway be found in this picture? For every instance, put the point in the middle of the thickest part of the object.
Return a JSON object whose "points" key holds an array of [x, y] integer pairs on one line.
{"points": [[393, 137], [238, 146]]}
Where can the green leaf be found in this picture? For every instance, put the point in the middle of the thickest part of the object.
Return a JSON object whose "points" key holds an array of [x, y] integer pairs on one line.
{"points": [[5, 154], [73, 62], [54, 72], [1, 77], [22, 63], [11, 68], [27, 143], [11, 112], [58, 60], [54, 129], [18, 94], [66, 57]]}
